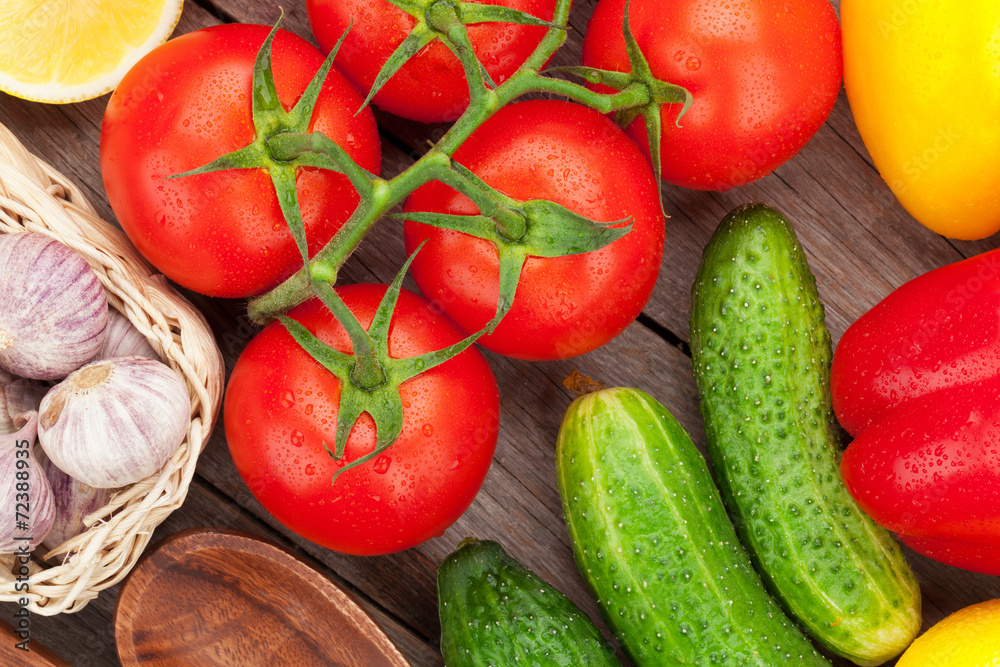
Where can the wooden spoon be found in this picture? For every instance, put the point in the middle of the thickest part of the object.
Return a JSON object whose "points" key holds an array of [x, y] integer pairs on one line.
{"points": [[210, 597]]}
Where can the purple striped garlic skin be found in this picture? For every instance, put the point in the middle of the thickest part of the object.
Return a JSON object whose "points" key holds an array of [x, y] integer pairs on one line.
{"points": [[24, 488], [115, 421], [53, 310], [74, 501], [122, 339]]}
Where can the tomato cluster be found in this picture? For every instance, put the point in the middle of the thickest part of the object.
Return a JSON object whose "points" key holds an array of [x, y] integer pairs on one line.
{"points": [[535, 228]]}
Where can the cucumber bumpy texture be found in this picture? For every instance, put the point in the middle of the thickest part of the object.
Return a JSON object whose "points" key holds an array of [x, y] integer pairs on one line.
{"points": [[652, 539], [497, 613], [761, 354]]}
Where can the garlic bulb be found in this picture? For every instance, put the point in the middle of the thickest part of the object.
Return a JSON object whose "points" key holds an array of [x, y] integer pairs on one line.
{"points": [[115, 421], [73, 502], [53, 310], [28, 508], [121, 339]]}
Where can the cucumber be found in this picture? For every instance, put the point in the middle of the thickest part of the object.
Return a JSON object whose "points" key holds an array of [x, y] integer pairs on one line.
{"points": [[495, 612], [761, 355], [652, 539]]}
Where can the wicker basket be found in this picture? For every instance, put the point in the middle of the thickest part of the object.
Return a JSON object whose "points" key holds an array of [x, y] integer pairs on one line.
{"points": [[34, 197]]}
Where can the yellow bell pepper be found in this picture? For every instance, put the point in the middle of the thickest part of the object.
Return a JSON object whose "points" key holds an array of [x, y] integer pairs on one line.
{"points": [[923, 80]]}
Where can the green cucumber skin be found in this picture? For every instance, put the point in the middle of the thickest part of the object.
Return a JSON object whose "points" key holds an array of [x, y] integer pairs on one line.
{"points": [[651, 537], [761, 353], [497, 613]]}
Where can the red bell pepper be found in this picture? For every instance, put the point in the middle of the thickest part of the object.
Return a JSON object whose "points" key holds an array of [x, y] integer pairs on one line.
{"points": [[916, 380]]}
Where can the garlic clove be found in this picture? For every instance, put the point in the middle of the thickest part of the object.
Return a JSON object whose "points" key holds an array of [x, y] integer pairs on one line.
{"points": [[74, 501], [122, 339], [54, 310], [6, 420], [17, 395], [114, 422], [25, 494]]}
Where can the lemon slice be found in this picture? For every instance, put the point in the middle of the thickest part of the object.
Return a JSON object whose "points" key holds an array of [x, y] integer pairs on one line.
{"points": [[70, 50]]}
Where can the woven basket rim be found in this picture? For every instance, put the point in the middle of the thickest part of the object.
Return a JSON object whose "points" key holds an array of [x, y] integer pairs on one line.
{"points": [[34, 197]]}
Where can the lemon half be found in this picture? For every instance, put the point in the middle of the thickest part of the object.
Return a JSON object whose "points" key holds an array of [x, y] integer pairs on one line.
{"points": [[71, 50]]}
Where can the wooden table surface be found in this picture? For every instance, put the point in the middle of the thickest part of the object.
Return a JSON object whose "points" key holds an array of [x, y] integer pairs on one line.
{"points": [[860, 244]]}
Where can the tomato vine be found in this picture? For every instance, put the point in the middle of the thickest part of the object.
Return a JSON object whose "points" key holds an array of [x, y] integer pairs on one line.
{"points": [[637, 94], [519, 229]]}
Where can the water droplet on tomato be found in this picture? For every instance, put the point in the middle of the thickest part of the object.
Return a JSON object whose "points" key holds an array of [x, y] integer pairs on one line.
{"points": [[454, 465], [287, 399], [310, 469], [693, 64], [428, 430], [381, 465], [298, 437]]}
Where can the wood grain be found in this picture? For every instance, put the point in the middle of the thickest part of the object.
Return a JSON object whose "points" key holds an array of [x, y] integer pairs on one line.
{"points": [[209, 597], [33, 655]]}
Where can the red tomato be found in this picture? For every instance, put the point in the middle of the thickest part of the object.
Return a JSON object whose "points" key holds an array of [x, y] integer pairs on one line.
{"points": [[281, 407], [564, 306], [764, 75], [187, 103], [431, 87]]}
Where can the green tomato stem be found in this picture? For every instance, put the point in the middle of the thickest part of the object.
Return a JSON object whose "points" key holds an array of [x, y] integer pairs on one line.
{"points": [[286, 146], [553, 39], [382, 196], [527, 81], [459, 36], [367, 372], [510, 222]]}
